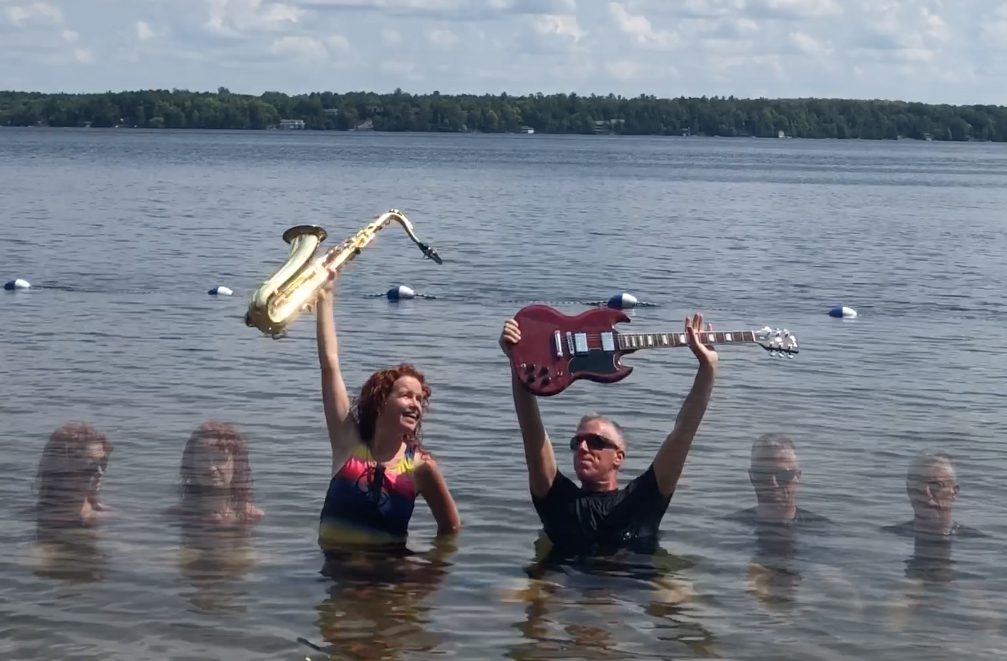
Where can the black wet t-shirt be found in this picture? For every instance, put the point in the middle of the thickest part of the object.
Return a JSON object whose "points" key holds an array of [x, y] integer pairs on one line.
{"points": [[582, 522]]}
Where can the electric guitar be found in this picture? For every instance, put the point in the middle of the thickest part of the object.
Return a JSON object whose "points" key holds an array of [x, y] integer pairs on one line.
{"points": [[556, 349]]}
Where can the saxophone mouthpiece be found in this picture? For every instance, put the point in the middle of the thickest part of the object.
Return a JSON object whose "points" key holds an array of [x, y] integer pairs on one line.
{"points": [[430, 253]]}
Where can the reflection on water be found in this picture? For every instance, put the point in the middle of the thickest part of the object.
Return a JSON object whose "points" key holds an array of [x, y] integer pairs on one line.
{"points": [[773, 575], [610, 607], [935, 589], [375, 603], [213, 561], [69, 554], [931, 561]]}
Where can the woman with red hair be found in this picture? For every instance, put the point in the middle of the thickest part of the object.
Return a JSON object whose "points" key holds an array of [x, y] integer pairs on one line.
{"points": [[69, 476], [379, 466], [215, 479]]}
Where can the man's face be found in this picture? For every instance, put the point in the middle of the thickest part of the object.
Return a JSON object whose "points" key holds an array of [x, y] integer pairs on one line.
{"points": [[934, 491], [598, 451], [775, 477]]}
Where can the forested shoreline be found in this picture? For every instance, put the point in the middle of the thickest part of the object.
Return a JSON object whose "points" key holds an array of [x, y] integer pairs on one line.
{"points": [[503, 113]]}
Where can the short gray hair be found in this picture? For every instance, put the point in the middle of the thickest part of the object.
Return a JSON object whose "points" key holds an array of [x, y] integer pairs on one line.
{"points": [[592, 417], [772, 441], [923, 462]]}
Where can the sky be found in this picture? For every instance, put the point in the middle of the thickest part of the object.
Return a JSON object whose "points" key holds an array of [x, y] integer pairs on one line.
{"points": [[934, 51]]}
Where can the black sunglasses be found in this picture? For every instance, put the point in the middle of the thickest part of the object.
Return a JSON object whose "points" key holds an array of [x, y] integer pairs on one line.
{"points": [[783, 476], [594, 442]]}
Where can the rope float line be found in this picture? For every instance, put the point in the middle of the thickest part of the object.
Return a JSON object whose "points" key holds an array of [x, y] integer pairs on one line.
{"points": [[621, 301]]}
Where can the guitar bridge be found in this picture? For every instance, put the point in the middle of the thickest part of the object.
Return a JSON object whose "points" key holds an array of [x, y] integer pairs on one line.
{"points": [[557, 339]]}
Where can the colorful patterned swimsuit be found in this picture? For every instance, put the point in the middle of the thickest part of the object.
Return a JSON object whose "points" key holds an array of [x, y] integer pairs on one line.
{"points": [[368, 503]]}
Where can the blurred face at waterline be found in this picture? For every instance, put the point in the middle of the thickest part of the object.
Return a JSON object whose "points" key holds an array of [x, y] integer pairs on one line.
{"points": [[212, 466], [933, 489], [70, 475], [775, 476]]}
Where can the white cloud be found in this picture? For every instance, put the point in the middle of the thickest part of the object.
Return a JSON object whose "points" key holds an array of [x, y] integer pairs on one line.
{"points": [[391, 37], [400, 70], [83, 55], [338, 44], [557, 25], [795, 8], [37, 14], [639, 28], [934, 25], [535, 6], [303, 48], [994, 30], [440, 38], [69, 36], [705, 8], [143, 31], [236, 17], [623, 69], [808, 45]]}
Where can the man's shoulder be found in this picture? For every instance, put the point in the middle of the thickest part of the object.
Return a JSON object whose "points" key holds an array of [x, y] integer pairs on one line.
{"points": [[905, 529], [742, 516], [968, 531], [562, 487], [809, 518], [803, 519]]}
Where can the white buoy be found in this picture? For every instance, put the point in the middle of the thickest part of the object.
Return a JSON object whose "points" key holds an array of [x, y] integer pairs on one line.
{"points": [[623, 301], [843, 312], [400, 293], [220, 290], [17, 283]]}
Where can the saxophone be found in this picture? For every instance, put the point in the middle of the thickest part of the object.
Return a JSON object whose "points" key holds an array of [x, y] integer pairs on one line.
{"points": [[294, 287]]}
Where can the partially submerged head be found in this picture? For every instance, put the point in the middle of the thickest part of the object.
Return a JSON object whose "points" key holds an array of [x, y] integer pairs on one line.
{"points": [[932, 486], [599, 448], [392, 402], [214, 464], [70, 473], [774, 471]]}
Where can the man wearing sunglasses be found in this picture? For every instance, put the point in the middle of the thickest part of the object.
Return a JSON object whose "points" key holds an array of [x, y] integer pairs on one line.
{"points": [[932, 487], [599, 518], [775, 477]]}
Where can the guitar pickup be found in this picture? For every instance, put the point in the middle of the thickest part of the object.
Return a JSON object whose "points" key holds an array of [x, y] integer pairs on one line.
{"points": [[608, 341], [580, 343]]}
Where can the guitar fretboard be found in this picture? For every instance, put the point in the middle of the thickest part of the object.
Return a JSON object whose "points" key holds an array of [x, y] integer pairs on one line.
{"points": [[628, 341]]}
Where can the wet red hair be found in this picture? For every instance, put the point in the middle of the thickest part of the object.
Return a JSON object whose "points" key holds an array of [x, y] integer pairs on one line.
{"points": [[226, 438], [374, 393], [61, 459]]}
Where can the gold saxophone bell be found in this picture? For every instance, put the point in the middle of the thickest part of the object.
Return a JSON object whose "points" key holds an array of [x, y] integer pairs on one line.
{"points": [[295, 285]]}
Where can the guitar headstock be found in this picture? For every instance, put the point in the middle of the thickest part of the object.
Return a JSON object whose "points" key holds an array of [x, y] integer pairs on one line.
{"points": [[777, 342]]}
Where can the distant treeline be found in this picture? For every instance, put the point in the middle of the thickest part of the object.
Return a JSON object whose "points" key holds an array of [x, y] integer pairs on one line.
{"points": [[553, 113]]}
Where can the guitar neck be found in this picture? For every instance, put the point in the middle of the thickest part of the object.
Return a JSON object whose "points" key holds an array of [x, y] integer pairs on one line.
{"points": [[634, 341]]}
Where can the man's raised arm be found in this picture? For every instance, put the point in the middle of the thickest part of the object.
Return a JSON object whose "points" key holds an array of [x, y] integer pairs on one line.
{"points": [[538, 452], [670, 459]]}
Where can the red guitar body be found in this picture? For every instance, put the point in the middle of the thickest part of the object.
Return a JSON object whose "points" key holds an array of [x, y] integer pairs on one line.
{"points": [[555, 349]]}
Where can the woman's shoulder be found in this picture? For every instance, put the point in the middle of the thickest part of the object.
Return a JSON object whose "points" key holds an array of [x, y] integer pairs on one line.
{"points": [[252, 514], [422, 459]]}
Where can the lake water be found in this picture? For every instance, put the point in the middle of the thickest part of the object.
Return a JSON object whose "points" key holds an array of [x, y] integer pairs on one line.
{"points": [[123, 233]]}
